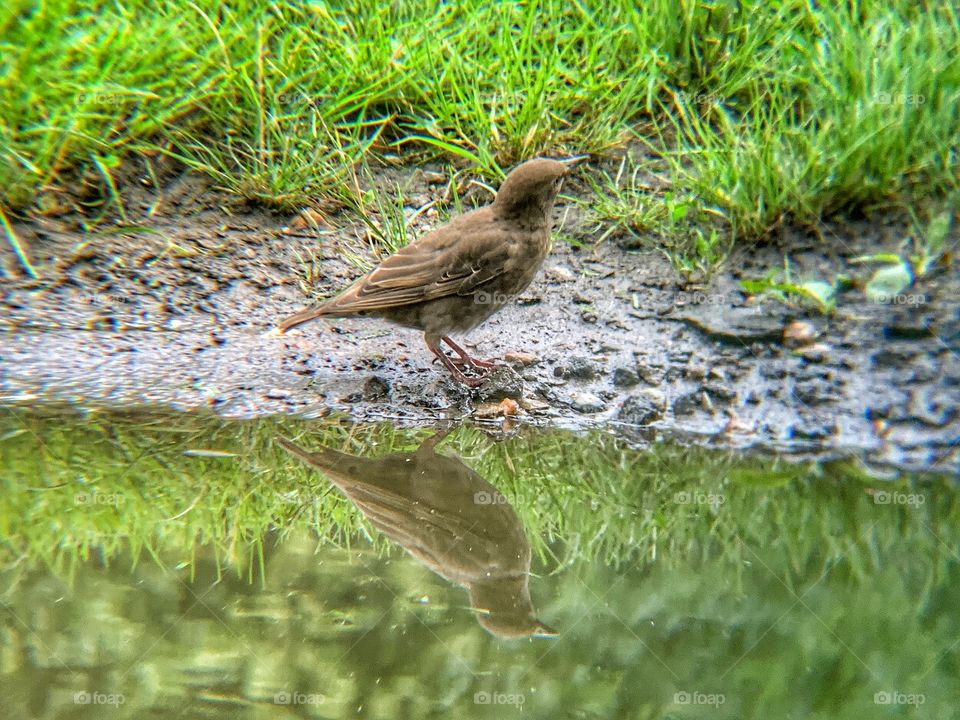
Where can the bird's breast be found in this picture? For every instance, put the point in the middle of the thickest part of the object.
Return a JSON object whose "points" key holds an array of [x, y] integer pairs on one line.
{"points": [[527, 254]]}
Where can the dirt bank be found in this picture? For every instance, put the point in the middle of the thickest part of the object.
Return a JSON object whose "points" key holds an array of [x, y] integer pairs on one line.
{"points": [[179, 316]]}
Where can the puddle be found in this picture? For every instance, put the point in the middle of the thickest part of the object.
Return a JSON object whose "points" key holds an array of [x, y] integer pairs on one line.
{"points": [[190, 566]]}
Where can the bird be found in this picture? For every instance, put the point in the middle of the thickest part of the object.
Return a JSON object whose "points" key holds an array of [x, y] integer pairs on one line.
{"points": [[454, 277], [449, 519]]}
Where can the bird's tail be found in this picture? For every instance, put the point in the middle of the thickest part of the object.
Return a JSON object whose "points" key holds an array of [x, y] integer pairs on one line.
{"points": [[324, 458], [301, 317], [342, 469]]}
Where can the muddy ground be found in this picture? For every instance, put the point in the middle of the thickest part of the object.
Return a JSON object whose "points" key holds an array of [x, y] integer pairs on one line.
{"points": [[180, 316]]}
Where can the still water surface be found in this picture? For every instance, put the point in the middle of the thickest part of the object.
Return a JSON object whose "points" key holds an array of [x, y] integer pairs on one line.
{"points": [[192, 567]]}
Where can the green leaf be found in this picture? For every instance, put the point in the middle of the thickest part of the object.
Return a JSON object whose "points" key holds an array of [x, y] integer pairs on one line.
{"points": [[756, 287], [888, 282], [889, 258], [937, 230], [822, 293]]}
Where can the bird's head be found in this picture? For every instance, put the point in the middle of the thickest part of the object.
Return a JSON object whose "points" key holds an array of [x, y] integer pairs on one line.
{"points": [[503, 608], [516, 627], [531, 187]]}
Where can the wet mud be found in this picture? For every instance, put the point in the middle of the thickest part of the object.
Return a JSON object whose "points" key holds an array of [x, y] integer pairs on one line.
{"points": [[175, 307]]}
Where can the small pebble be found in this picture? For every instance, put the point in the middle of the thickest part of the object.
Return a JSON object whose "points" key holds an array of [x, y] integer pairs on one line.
{"points": [[586, 402], [521, 358], [798, 333]]}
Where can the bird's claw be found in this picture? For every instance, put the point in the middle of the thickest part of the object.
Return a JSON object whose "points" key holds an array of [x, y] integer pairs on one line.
{"points": [[475, 363]]}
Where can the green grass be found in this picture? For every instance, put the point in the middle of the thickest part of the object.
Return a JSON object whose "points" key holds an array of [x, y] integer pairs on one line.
{"points": [[761, 112]]}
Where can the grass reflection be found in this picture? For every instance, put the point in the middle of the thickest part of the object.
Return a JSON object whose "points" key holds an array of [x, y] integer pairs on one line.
{"points": [[190, 565]]}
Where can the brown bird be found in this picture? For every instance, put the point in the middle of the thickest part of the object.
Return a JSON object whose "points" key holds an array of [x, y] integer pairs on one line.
{"points": [[449, 519], [456, 276]]}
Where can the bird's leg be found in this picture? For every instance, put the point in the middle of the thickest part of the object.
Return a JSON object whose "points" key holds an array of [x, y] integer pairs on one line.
{"points": [[462, 359], [451, 365], [429, 445], [465, 358]]}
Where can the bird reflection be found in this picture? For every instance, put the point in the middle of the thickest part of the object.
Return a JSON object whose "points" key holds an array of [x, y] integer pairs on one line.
{"points": [[449, 519]]}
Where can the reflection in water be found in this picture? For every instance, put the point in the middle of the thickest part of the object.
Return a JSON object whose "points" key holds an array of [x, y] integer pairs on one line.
{"points": [[448, 518], [174, 563]]}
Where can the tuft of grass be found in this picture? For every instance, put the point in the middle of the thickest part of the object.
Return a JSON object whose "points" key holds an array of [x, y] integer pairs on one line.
{"points": [[383, 219], [840, 107], [641, 202], [790, 113]]}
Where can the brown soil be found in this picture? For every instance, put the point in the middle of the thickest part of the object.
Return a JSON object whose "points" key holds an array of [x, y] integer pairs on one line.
{"points": [[180, 317]]}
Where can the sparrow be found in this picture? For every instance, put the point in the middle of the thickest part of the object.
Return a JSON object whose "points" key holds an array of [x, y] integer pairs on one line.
{"points": [[449, 519], [454, 277]]}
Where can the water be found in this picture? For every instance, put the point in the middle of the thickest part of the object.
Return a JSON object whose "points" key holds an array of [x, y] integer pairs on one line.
{"points": [[184, 566]]}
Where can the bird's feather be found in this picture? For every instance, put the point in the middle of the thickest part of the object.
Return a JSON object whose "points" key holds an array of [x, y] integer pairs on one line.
{"points": [[438, 265]]}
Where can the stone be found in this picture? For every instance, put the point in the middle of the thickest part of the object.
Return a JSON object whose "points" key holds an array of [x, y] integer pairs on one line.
{"points": [[585, 402], [375, 388], [576, 368], [687, 404], [625, 377], [639, 409]]}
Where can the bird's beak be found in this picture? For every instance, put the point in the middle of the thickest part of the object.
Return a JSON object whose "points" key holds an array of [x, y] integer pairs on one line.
{"points": [[572, 161], [544, 631]]}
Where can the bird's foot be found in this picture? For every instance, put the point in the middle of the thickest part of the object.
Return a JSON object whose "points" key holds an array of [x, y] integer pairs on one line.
{"points": [[454, 368], [464, 359], [454, 365], [484, 364], [474, 363], [469, 380]]}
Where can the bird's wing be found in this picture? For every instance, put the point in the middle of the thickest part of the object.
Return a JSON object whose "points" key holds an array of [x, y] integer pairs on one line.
{"points": [[455, 546], [453, 260]]}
